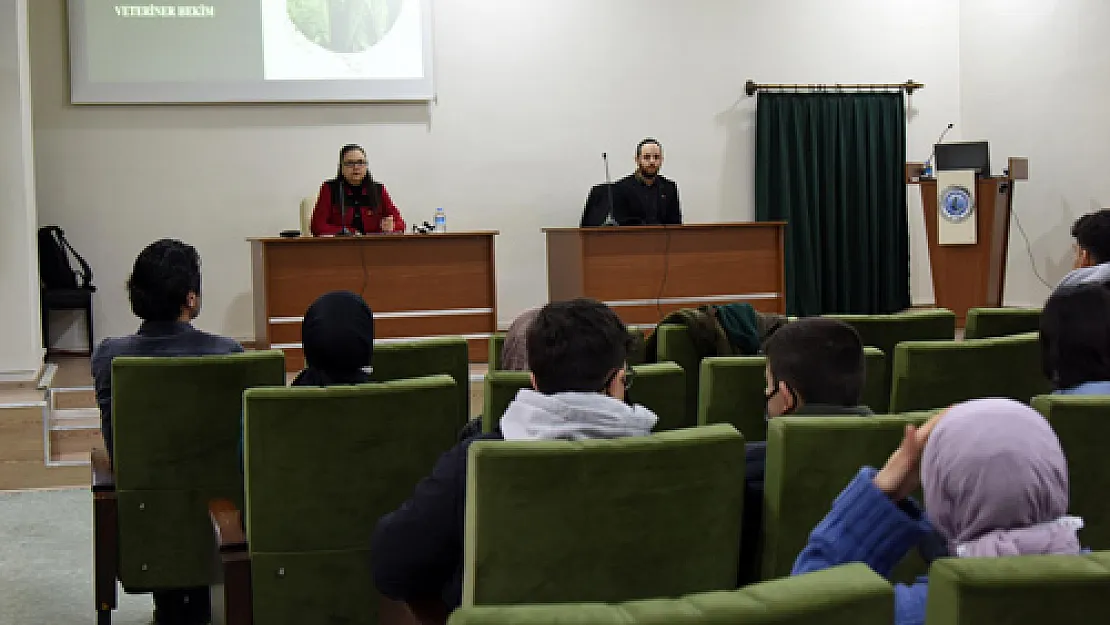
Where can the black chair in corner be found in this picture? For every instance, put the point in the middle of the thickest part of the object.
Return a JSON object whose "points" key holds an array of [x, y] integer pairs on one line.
{"points": [[79, 298]]}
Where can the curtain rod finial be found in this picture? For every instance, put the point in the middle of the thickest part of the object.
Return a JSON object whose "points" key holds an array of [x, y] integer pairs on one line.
{"points": [[750, 88]]}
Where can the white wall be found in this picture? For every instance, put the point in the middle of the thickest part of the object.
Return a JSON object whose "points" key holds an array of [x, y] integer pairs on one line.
{"points": [[20, 348], [1035, 83], [529, 95]]}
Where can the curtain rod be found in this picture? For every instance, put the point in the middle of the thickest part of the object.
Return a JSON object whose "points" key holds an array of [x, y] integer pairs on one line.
{"points": [[751, 88]]}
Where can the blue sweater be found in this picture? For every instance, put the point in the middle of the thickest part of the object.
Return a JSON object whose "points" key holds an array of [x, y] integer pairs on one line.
{"points": [[864, 525]]}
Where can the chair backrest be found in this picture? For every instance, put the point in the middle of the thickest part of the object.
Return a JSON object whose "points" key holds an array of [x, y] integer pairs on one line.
{"points": [[176, 428], [675, 345], [496, 344], [308, 205], [731, 390], [809, 462], [603, 520], [987, 322], [661, 387], [415, 359], [845, 595], [1082, 423], [935, 374], [322, 465], [1025, 590], [500, 389], [886, 331]]}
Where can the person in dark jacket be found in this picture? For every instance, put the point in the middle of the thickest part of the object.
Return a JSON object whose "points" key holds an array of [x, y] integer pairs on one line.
{"points": [[646, 198], [337, 336], [577, 354], [354, 193], [815, 366], [164, 289]]}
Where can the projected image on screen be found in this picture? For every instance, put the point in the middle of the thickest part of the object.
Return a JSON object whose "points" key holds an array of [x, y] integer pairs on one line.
{"points": [[342, 39], [250, 50], [344, 25]]}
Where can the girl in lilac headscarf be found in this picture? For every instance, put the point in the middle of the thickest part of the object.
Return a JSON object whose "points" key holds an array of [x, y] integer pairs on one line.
{"points": [[995, 482]]}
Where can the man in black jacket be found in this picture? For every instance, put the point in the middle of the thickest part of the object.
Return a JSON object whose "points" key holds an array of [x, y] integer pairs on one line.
{"points": [[577, 354], [646, 198]]}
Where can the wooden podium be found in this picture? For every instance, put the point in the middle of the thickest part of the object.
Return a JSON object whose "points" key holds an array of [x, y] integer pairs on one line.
{"points": [[419, 285], [645, 272], [971, 276]]}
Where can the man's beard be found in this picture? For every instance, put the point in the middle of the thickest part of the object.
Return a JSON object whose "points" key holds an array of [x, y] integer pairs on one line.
{"points": [[649, 176]]}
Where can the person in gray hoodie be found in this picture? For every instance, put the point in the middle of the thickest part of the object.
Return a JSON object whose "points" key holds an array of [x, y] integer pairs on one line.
{"points": [[1092, 250], [577, 355]]}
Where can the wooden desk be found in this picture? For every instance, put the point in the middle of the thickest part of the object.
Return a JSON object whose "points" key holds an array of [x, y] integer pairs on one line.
{"points": [[419, 285], [645, 272]]}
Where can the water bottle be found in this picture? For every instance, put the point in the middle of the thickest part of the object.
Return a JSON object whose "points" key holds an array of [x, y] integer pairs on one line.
{"points": [[441, 220]]}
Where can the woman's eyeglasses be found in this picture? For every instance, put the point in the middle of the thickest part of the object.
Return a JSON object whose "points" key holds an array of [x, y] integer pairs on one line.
{"points": [[354, 163]]}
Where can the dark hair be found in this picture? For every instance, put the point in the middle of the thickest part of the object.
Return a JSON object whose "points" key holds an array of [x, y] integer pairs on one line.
{"points": [[575, 346], [648, 141], [164, 274], [1075, 335], [374, 192], [1092, 233], [820, 359]]}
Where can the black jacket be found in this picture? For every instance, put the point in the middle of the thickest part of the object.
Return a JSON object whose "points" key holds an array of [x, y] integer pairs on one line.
{"points": [[417, 550], [638, 204], [596, 211]]}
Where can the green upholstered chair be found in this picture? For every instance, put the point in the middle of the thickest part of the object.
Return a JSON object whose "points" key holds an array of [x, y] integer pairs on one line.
{"points": [[661, 387], [176, 428], [636, 355], [414, 359], [809, 462], [321, 466], [603, 520], [886, 331], [731, 390], [1082, 422], [845, 595], [987, 322], [1023, 590], [500, 389], [674, 345], [936, 374], [658, 386]]}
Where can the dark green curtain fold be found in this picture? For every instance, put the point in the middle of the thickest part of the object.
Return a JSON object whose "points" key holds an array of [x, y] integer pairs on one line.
{"points": [[832, 166]]}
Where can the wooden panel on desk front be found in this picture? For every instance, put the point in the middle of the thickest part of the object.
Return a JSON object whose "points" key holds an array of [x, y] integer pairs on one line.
{"points": [[420, 274], [632, 268]]}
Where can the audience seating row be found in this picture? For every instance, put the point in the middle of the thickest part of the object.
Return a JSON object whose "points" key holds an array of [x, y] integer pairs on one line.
{"points": [[1028, 590]]}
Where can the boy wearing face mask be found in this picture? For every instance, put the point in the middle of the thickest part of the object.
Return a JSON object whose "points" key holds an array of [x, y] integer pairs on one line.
{"points": [[815, 366], [577, 355]]}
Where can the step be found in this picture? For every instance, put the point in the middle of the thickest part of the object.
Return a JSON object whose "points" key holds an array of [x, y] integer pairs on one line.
{"points": [[68, 398]]}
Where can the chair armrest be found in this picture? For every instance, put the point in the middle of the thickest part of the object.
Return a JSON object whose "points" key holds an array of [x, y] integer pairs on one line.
{"points": [[103, 480], [227, 523]]}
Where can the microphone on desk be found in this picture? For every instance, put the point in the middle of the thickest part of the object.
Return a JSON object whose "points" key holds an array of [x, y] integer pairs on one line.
{"points": [[927, 170], [609, 219]]}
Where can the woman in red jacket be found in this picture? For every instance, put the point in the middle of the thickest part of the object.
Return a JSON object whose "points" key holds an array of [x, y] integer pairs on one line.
{"points": [[353, 193]]}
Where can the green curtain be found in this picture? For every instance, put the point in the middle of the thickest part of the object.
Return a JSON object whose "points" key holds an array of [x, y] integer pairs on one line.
{"points": [[832, 166]]}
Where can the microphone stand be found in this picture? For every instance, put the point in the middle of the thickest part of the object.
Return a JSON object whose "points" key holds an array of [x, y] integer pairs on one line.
{"points": [[344, 232], [610, 220]]}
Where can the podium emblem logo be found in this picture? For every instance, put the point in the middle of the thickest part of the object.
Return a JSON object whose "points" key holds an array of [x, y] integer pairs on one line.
{"points": [[956, 204]]}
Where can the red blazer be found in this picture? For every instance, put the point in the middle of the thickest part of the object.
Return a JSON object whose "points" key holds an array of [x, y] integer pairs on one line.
{"points": [[326, 215]]}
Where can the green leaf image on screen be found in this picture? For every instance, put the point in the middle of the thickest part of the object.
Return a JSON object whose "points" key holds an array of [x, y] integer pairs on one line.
{"points": [[344, 25]]}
